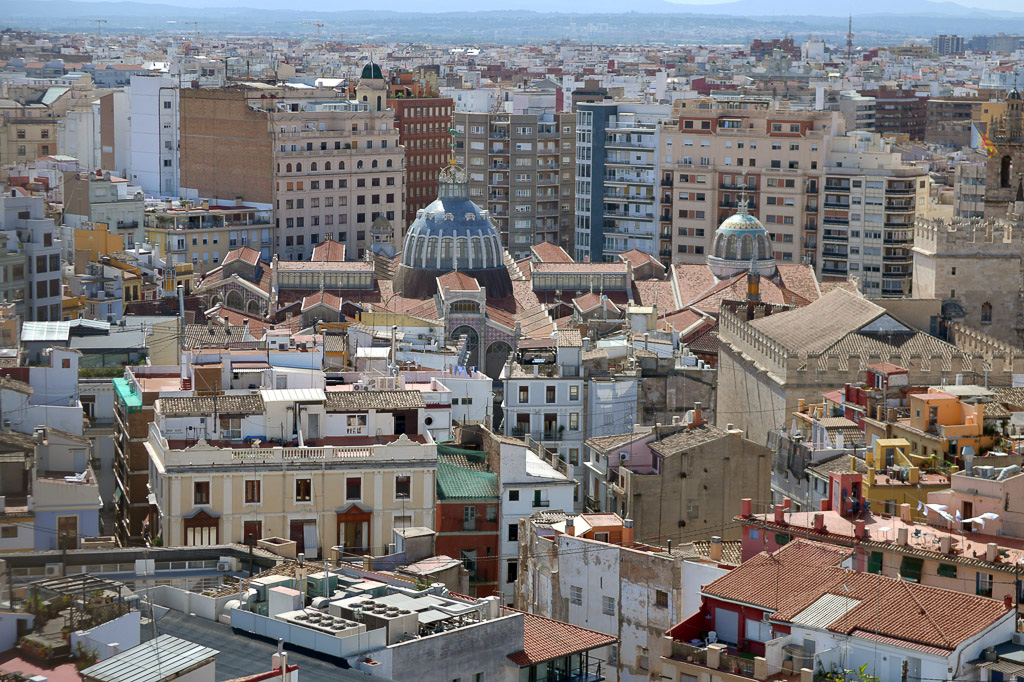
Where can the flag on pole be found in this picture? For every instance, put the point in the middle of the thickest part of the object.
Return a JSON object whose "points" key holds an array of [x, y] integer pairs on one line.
{"points": [[979, 140]]}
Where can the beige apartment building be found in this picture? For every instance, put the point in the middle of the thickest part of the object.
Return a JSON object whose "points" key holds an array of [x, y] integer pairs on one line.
{"points": [[201, 233], [715, 149], [320, 469], [329, 166], [522, 168], [871, 199]]}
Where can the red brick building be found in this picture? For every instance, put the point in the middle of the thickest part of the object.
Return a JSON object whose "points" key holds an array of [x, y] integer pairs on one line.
{"points": [[423, 125], [467, 516]]}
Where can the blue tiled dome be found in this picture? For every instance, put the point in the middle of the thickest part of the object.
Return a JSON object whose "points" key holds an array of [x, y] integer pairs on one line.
{"points": [[740, 241], [452, 233]]}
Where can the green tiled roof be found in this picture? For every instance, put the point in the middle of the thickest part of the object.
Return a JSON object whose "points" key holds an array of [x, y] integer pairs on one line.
{"points": [[457, 483]]}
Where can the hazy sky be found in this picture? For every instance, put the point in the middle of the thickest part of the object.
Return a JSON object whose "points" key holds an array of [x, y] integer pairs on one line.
{"points": [[1007, 5]]}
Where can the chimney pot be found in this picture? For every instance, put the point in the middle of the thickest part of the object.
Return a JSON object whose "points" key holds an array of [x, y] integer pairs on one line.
{"points": [[819, 522], [905, 514], [859, 529], [901, 536], [945, 543], [780, 514], [745, 507], [991, 552], [716, 548]]}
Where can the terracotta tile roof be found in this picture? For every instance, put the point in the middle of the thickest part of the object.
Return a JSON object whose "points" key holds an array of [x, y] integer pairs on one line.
{"points": [[590, 300], [771, 580], [800, 280], [687, 438], [321, 298], [569, 338], [457, 281], [605, 444], [206, 336], [814, 328], [243, 253], [251, 403], [500, 316], [343, 401], [639, 258], [546, 252], [329, 250], [682, 319], [903, 610], [706, 341], [655, 292], [545, 639]]}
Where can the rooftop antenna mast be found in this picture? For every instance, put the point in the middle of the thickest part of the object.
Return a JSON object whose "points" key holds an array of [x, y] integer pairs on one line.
{"points": [[99, 26]]}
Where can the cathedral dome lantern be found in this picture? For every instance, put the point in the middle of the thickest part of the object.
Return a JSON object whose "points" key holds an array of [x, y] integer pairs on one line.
{"points": [[741, 245]]}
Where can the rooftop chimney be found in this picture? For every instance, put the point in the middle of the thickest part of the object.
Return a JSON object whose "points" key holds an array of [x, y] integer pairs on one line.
{"points": [[905, 514], [780, 514], [819, 522], [716, 548], [991, 552], [859, 529], [901, 536], [698, 416], [627, 530], [745, 505], [945, 543], [826, 505]]}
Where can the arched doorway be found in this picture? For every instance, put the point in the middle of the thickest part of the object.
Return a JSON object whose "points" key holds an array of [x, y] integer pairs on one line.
{"points": [[472, 344], [235, 301], [497, 355]]}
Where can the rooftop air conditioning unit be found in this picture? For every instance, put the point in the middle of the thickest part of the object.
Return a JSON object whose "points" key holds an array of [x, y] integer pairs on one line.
{"points": [[623, 455], [224, 566], [52, 570]]}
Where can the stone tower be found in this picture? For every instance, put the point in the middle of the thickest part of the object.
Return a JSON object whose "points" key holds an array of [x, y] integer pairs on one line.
{"points": [[1003, 169]]}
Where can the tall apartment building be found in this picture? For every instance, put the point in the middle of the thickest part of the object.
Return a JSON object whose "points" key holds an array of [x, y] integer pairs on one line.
{"points": [[857, 109], [899, 111], [871, 198], [948, 44], [155, 134], [423, 124], [617, 157], [99, 197], [31, 234], [969, 190], [329, 166], [716, 150], [520, 167]]}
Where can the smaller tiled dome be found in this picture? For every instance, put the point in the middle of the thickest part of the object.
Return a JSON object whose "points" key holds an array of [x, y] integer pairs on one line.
{"points": [[740, 241], [372, 70]]}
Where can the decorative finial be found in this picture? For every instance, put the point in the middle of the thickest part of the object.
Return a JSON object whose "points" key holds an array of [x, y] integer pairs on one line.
{"points": [[741, 202]]}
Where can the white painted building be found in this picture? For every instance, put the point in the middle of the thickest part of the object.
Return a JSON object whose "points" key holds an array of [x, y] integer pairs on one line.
{"points": [[78, 135], [155, 134], [527, 484]]}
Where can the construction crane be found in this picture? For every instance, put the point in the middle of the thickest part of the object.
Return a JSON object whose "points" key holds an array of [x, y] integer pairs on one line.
{"points": [[99, 26], [318, 27], [195, 25]]}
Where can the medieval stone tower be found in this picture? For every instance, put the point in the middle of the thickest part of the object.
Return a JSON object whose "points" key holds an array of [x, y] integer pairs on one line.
{"points": [[1003, 170]]}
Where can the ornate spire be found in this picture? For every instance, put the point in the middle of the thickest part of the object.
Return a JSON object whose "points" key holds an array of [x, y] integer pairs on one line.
{"points": [[741, 203]]}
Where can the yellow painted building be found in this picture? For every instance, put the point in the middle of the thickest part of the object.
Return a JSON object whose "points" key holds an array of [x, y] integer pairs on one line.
{"points": [[895, 477], [97, 242], [939, 425]]}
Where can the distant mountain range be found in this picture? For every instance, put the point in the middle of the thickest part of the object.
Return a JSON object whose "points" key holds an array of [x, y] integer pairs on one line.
{"points": [[875, 22], [738, 8]]}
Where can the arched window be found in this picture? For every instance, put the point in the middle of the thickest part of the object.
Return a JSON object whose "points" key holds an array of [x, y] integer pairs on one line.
{"points": [[388, 164], [986, 312], [312, 166], [288, 168], [746, 247], [1005, 169], [341, 165], [298, 168], [378, 103], [373, 164], [359, 164], [327, 166]]}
